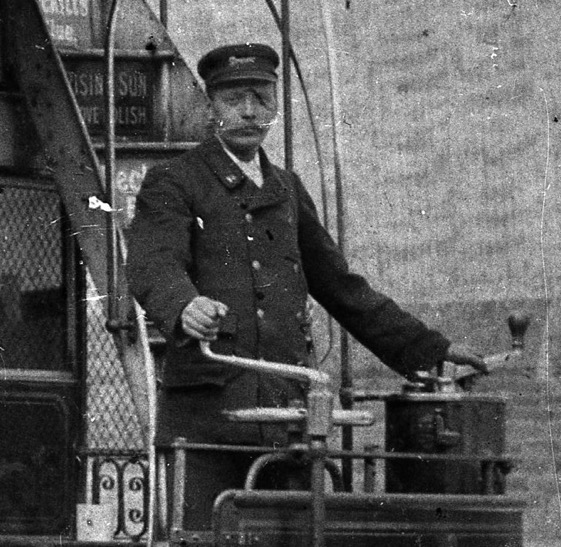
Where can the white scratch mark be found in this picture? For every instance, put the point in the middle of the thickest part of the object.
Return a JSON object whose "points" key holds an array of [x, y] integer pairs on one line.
{"points": [[95, 298], [95, 203], [546, 186]]}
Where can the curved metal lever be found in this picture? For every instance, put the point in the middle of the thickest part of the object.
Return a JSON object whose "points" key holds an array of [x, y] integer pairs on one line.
{"points": [[314, 377]]}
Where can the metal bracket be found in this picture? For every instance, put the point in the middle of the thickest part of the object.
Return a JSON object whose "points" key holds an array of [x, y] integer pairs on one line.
{"points": [[444, 437]]}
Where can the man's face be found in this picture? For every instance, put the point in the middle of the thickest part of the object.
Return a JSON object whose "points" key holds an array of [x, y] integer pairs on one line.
{"points": [[244, 113]]}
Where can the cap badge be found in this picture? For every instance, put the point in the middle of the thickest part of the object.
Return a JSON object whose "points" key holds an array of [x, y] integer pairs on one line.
{"points": [[235, 61]]}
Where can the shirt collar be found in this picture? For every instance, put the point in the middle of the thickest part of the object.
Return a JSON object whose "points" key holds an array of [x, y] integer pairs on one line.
{"points": [[251, 168]]}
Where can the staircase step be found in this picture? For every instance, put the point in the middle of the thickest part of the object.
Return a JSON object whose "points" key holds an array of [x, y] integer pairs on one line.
{"points": [[52, 541], [128, 54], [147, 147]]}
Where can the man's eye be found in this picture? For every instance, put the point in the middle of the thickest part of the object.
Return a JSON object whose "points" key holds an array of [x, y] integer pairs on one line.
{"points": [[233, 98], [266, 99]]}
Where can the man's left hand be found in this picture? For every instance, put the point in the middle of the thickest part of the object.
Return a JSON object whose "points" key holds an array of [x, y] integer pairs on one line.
{"points": [[464, 355]]}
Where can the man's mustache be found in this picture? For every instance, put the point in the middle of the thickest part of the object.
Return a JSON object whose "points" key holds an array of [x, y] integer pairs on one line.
{"points": [[257, 126]]}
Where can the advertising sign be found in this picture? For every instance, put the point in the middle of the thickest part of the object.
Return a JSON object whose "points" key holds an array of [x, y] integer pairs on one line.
{"points": [[134, 91], [69, 22]]}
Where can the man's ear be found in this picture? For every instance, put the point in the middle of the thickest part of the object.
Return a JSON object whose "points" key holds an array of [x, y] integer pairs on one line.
{"points": [[212, 118]]}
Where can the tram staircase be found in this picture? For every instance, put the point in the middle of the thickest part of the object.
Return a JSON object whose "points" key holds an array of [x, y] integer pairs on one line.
{"points": [[62, 91], [52, 79]]}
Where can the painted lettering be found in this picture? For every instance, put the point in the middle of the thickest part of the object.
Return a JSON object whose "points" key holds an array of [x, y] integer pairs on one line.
{"points": [[91, 114], [86, 84], [75, 8], [90, 84], [131, 115], [60, 32], [132, 84]]}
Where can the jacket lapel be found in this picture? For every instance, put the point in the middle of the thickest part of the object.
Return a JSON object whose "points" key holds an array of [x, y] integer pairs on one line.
{"points": [[273, 192], [229, 174]]}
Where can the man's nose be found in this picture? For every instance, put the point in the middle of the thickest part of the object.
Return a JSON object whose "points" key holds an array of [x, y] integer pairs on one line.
{"points": [[248, 107]]}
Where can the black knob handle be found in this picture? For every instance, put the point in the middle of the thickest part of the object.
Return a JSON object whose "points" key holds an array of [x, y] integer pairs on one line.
{"points": [[518, 324]]}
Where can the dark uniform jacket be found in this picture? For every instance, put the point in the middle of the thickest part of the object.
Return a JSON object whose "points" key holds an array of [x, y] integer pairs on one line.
{"points": [[202, 227]]}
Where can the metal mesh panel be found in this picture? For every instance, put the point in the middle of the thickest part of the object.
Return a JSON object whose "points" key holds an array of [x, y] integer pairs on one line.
{"points": [[31, 243], [112, 420], [33, 313], [32, 295]]}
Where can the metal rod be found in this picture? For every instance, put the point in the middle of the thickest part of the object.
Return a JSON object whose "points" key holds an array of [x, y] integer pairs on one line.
{"points": [[296, 415], [342, 500], [116, 248], [420, 456], [164, 13], [160, 485], [320, 162], [346, 366], [179, 476], [259, 465], [109, 88], [335, 454], [318, 449], [369, 470], [315, 377], [487, 469], [287, 86]]}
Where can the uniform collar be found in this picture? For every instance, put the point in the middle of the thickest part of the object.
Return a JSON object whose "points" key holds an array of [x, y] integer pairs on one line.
{"points": [[274, 189], [222, 165]]}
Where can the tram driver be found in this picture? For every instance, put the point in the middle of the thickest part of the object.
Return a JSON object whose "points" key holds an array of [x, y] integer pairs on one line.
{"points": [[226, 247]]}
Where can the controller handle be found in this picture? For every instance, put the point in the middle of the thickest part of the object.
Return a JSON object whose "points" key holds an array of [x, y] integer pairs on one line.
{"points": [[518, 324]]}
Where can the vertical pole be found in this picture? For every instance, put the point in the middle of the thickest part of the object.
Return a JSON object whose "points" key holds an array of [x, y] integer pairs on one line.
{"points": [[109, 89], [318, 449], [370, 470], [346, 366], [346, 404], [319, 424], [164, 13], [287, 86], [179, 459]]}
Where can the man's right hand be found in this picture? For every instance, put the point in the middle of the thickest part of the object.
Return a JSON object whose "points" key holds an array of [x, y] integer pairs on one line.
{"points": [[200, 319]]}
